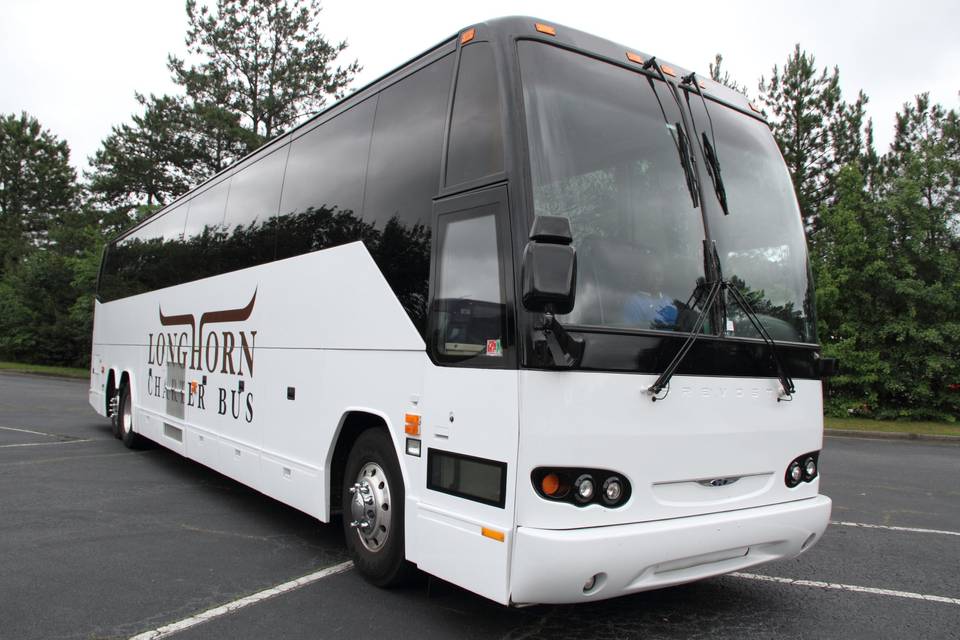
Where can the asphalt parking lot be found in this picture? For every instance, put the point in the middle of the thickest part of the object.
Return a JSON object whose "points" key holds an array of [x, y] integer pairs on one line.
{"points": [[97, 541]]}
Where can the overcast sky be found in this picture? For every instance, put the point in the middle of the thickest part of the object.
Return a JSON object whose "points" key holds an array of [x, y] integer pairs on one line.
{"points": [[76, 65]]}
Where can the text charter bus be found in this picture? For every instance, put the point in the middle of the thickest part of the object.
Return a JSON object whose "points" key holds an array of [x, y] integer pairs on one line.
{"points": [[533, 312]]}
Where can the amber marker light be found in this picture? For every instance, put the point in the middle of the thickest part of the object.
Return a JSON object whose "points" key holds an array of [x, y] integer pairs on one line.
{"points": [[632, 57], [411, 424], [467, 36], [493, 534], [550, 484], [545, 28], [667, 69]]}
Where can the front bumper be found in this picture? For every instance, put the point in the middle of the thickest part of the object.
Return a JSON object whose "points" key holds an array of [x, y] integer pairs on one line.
{"points": [[552, 566]]}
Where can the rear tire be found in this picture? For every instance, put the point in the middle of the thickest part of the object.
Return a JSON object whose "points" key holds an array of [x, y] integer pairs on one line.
{"points": [[373, 499], [131, 439]]}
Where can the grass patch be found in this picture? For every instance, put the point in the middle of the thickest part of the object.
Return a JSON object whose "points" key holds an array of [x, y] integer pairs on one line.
{"points": [[893, 426], [42, 369]]}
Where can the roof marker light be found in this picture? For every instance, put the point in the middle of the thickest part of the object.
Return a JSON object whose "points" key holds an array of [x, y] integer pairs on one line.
{"points": [[545, 28], [667, 69], [633, 57], [467, 35]]}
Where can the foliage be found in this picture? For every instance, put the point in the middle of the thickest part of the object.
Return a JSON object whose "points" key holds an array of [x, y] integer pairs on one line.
{"points": [[887, 264], [263, 59], [37, 186], [718, 74], [817, 131]]}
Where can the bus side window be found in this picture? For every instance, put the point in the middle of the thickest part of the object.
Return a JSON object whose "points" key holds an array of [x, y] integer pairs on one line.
{"points": [[470, 301], [476, 141], [252, 206]]}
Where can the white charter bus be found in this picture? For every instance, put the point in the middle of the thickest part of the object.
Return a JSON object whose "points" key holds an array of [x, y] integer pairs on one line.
{"points": [[533, 312]]}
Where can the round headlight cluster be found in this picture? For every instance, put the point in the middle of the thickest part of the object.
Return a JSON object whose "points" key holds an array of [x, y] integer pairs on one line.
{"points": [[802, 469], [581, 487]]}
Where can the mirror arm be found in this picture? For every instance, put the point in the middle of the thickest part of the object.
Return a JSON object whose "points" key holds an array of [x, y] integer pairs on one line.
{"points": [[555, 346]]}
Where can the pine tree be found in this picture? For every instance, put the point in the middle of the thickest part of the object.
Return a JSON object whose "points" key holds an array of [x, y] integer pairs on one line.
{"points": [[817, 131], [718, 74], [263, 59], [37, 186]]}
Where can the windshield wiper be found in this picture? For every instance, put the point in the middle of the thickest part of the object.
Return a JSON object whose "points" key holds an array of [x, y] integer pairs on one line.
{"points": [[716, 287], [681, 141], [709, 150]]}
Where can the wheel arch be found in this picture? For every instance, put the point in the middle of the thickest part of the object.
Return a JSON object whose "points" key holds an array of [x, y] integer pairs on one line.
{"points": [[353, 422]]}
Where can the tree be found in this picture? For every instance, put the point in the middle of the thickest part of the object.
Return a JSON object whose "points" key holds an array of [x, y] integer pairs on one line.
{"points": [[895, 251], [149, 162], [263, 59], [817, 131], [718, 74], [37, 186]]}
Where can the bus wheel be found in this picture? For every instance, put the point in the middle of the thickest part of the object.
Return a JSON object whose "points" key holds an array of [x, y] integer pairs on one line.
{"points": [[130, 438], [373, 510]]}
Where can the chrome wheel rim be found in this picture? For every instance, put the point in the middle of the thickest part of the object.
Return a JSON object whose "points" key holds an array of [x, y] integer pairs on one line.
{"points": [[126, 416], [370, 507]]}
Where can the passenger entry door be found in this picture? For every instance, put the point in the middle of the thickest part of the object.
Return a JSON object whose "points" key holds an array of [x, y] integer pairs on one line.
{"points": [[469, 421]]}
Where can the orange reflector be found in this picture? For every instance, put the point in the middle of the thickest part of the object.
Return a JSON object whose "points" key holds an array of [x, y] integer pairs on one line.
{"points": [[411, 424], [632, 57], [493, 534], [467, 36], [550, 484], [667, 69], [193, 386], [545, 28]]}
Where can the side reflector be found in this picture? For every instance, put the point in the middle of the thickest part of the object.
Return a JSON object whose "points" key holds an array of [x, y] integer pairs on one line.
{"points": [[632, 57], [467, 36], [667, 69], [411, 424], [493, 534], [545, 28], [413, 447]]}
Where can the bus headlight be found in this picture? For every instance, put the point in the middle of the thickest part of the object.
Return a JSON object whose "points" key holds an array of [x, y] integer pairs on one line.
{"points": [[581, 487], [584, 486], [802, 469]]}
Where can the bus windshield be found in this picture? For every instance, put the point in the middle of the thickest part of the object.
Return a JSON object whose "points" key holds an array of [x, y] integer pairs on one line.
{"points": [[761, 242], [604, 152]]}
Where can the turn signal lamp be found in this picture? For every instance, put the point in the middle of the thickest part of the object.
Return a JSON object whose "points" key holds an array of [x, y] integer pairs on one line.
{"points": [[545, 28], [550, 484], [411, 424], [493, 534]]}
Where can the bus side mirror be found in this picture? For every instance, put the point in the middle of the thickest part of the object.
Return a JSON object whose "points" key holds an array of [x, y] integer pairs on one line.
{"points": [[549, 270], [828, 367]]}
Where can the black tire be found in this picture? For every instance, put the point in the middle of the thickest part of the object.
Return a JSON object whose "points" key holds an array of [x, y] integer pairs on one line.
{"points": [[130, 438], [115, 422], [385, 564]]}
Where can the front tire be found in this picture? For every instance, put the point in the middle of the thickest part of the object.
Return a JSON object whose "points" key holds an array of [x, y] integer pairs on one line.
{"points": [[131, 439], [373, 499]]}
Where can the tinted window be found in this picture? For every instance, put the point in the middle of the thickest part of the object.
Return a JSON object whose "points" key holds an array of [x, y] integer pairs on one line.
{"points": [[476, 144], [403, 178], [604, 153], [204, 234], [323, 184], [469, 304], [252, 206], [404, 173]]}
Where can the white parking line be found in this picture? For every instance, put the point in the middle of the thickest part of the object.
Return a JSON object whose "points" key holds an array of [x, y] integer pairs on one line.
{"points": [[230, 607], [848, 587], [42, 444], [889, 528], [36, 433]]}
